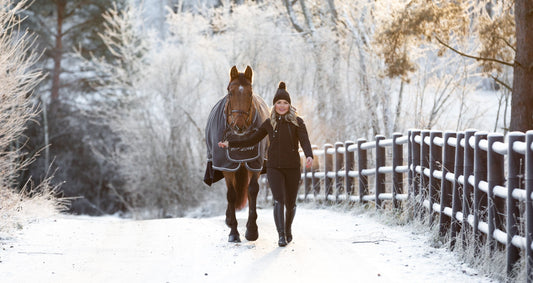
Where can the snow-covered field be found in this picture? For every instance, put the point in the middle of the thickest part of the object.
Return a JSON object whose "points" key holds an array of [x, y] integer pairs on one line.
{"points": [[329, 246]]}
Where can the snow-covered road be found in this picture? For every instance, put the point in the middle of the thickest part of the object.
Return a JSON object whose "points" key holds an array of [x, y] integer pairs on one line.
{"points": [[328, 246]]}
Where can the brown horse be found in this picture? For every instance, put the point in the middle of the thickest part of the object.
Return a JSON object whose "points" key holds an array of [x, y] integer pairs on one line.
{"points": [[242, 113]]}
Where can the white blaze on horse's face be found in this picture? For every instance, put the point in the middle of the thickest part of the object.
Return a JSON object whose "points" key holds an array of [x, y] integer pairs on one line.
{"points": [[240, 112], [240, 102]]}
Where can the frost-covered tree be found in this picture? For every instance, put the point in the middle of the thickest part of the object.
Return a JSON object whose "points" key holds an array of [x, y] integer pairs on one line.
{"points": [[61, 26], [160, 85], [450, 24], [17, 81], [152, 101], [18, 78], [60, 29]]}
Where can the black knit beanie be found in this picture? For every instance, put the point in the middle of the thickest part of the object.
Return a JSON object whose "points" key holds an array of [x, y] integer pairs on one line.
{"points": [[282, 94]]}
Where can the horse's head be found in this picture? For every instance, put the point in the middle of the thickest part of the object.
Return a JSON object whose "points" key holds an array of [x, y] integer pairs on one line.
{"points": [[239, 108]]}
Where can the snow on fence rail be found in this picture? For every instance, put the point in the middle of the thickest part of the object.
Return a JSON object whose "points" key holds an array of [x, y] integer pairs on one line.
{"points": [[473, 183]]}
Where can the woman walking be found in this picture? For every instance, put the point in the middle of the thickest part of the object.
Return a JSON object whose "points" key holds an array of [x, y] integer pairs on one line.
{"points": [[284, 129]]}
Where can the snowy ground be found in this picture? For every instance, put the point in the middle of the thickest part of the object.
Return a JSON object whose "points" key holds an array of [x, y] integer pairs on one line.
{"points": [[329, 246]]}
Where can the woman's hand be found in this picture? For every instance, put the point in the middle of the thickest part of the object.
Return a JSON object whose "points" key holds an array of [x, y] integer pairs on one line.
{"points": [[309, 162], [223, 144]]}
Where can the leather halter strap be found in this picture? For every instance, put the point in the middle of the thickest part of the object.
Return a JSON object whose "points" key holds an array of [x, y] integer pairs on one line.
{"points": [[230, 111]]}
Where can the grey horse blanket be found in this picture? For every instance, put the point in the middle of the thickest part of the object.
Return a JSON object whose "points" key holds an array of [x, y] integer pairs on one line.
{"points": [[224, 159]]}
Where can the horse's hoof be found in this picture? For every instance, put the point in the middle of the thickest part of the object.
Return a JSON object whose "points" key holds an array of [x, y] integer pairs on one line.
{"points": [[234, 239], [251, 235]]}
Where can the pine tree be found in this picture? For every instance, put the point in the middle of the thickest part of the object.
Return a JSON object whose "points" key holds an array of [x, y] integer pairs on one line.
{"points": [[61, 27]]}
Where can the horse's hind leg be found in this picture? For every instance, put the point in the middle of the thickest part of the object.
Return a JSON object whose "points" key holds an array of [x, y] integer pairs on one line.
{"points": [[231, 219], [252, 232]]}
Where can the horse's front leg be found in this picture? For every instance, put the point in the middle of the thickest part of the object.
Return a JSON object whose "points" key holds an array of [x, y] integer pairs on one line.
{"points": [[252, 232], [231, 219]]}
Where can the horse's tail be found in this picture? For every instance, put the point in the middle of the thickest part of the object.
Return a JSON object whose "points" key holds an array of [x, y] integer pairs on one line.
{"points": [[241, 188]]}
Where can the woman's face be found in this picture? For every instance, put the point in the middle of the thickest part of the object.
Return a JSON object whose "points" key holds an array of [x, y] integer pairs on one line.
{"points": [[282, 106]]}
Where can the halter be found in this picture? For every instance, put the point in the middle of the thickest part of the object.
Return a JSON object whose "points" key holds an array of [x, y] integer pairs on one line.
{"points": [[233, 123]]}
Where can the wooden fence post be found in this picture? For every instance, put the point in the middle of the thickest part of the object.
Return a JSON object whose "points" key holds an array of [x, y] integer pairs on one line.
{"points": [[361, 165], [456, 193], [495, 177], [414, 190], [435, 160], [338, 165], [468, 190], [410, 169], [380, 177], [328, 166], [397, 177], [529, 205], [446, 193], [306, 182], [424, 164], [315, 181], [515, 168], [480, 173], [348, 166]]}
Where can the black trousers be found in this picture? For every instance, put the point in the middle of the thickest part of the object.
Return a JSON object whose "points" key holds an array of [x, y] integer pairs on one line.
{"points": [[284, 184]]}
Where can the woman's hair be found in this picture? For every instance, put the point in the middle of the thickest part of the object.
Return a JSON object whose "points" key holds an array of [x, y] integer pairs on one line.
{"points": [[289, 117]]}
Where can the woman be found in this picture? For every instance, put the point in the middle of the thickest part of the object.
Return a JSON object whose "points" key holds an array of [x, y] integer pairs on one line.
{"points": [[284, 129]]}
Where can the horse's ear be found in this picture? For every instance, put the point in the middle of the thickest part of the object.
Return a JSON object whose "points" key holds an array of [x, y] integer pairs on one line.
{"points": [[248, 73], [234, 73]]}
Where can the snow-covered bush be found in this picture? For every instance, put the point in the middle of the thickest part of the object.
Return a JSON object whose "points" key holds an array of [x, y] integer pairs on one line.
{"points": [[17, 80], [152, 99]]}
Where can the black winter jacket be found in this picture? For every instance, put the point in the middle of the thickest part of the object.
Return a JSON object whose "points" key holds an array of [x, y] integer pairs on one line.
{"points": [[283, 148]]}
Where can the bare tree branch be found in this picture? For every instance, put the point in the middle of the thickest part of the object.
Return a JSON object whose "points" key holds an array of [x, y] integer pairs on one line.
{"points": [[502, 83], [471, 56], [307, 16], [292, 17]]}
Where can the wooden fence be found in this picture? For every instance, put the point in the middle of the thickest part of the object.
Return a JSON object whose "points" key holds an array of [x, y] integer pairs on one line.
{"points": [[476, 185]]}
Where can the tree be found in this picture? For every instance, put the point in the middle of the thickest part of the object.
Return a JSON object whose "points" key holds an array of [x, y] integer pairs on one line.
{"points": [[17, 81], [18, 78], [63, 30], [151, 101], [447, 23], [340, 33], [522, 100], [62, 26]]}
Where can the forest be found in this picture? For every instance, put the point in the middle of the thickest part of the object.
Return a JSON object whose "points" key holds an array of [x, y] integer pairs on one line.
{"points": [[104, 102]]}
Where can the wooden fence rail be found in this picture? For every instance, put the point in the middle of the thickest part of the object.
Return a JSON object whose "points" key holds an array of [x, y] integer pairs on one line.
{"points": [[476, 185]]}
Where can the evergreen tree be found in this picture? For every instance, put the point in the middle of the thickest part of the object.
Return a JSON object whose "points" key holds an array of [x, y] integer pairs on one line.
{"points": [[61, 27], [63, 30]]}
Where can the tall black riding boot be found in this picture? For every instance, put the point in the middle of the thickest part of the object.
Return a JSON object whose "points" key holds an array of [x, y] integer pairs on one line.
{"points": [[280, 223], [289, 216]]}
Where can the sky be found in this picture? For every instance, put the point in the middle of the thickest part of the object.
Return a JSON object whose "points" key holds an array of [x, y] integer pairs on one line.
{"points": [[328, 245]]}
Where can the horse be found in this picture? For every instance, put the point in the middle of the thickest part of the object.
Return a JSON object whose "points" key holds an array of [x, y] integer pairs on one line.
{"points": [[239, 113]]}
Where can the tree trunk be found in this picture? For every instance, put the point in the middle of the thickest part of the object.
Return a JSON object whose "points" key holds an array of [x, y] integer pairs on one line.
{"points": [[522, 100], [58, 49], [398, 108], [292, 17], [46, 135], [308, 17], [333, 11]]}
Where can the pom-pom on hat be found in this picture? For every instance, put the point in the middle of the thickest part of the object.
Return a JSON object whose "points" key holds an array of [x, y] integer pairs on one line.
{"points": [[282, 94]]}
